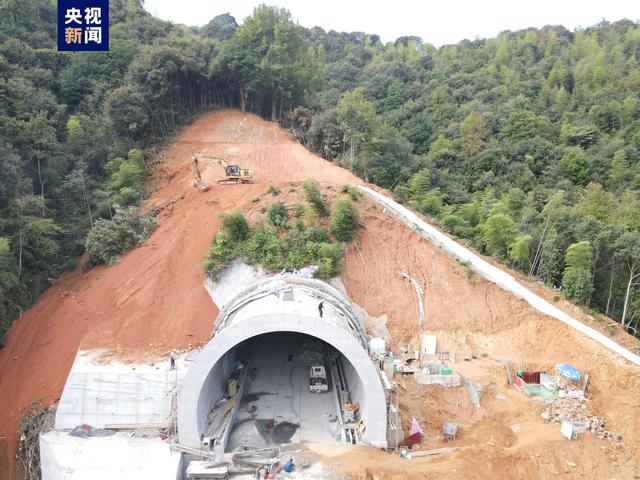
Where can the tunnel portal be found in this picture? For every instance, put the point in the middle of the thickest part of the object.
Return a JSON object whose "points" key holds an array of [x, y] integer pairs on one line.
{"points": [[254, 373]]}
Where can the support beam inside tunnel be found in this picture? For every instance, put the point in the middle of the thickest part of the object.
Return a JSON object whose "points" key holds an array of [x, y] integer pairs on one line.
{"points": [[285, 310]]}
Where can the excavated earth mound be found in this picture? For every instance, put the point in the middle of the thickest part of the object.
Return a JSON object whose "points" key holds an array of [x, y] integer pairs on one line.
{"points": [[154, 301]]}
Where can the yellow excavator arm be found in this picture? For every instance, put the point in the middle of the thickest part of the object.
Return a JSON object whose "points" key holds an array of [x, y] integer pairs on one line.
{"points": [[233, 173], [209, 158]]}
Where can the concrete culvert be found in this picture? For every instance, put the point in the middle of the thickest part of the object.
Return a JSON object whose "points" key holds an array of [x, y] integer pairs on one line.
{"points": [[272, 333]]}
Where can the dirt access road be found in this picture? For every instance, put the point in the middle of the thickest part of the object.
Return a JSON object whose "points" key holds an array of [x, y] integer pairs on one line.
{"points": [[154, 301]]}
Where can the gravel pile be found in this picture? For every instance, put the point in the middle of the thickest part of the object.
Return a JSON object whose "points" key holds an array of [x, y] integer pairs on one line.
{"points": [[575, 411]]}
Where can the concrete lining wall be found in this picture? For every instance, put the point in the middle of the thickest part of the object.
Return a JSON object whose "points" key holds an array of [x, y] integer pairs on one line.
{"points": [[194, 401], [356, 390], [214, 387]]}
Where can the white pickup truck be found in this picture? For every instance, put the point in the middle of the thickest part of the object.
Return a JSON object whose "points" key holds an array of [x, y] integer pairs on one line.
{"points": [[318, 379]]}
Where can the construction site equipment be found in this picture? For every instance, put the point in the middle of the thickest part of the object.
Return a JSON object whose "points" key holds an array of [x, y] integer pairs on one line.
{"points": [[449, 430], [233, 173], [232, 387], [349, 411], [377, 346], [318, 379], [207, 470]]}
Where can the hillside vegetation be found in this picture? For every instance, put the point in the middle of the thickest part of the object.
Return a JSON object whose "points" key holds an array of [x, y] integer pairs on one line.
{"points": [[526, 145], [279, 243]]}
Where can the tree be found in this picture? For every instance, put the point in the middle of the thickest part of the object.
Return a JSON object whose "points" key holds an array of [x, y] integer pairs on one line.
{"points": [[499, 232], [524, 125], [344, 219], [576, 166], [221, 27], [597, 202], [627, 213], [619, 172], [419, 185], [514, 200], [312, 195], [576, 279], [628, 250], [431, 202], [576, 284], [78, 184], [441, 148], [551, 212], [606, 116], [579, 135], [35, 236], [357, 119], [277, 215], [128, 112], [520, 250], [267, 58], [42, 137], [474, 133], [108, 239], [76, 136], [234, 226]]}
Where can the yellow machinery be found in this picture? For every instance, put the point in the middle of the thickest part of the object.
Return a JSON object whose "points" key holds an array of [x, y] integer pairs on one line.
{"points": [[233, 173]]}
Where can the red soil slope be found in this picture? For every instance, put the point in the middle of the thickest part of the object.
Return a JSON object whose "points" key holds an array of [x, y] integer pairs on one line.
{"points": [[154, 300]]}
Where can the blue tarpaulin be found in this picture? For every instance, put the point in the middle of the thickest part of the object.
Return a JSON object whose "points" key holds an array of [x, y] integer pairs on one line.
{"points": [[568, 371]]}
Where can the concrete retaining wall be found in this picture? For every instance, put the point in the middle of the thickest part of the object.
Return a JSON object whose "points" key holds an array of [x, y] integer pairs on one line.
{"points": [[452, 380]]}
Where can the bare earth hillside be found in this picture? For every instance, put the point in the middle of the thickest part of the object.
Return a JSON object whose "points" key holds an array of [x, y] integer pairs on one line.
{"points": [[154, 301]]}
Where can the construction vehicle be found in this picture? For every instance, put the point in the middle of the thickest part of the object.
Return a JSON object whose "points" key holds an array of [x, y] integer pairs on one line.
{"points": [[318, 379], [233, 173]]}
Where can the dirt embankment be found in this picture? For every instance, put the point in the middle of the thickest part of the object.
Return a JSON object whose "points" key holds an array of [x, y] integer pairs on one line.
{"points": [[470, 314], [154, 301]]}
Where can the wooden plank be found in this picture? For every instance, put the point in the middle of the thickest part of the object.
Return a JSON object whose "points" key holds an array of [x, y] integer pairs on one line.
{"points": [[507, 369], [219, 418], [435, 451], [136, 426], [193, 451], [585, 382]]}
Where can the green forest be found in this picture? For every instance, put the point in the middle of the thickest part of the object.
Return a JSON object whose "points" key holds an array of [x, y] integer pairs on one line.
{"points": [[524, 146]]}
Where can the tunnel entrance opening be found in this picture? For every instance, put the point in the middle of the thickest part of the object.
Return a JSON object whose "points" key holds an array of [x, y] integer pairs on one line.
{"points": [[277, 405], [264, 326], [283, 402]]}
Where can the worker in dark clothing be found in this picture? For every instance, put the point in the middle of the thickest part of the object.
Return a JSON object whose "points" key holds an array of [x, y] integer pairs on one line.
{"points": [[320, 307], [173, 358]]}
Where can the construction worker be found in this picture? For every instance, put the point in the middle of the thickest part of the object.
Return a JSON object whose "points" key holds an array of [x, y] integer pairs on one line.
{"points": [[381, 360], [320, 307], [173, 358]]}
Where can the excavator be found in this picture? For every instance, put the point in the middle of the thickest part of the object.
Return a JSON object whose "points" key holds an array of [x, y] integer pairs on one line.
{"points": [[233, 173]]}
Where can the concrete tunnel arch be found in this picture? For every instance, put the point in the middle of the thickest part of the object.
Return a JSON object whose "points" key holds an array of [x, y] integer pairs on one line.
{"points": [[282, 304]]}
